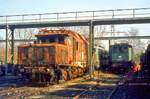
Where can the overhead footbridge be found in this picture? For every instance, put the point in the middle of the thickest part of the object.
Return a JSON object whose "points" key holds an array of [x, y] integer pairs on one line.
{"points": [[67, 19]]}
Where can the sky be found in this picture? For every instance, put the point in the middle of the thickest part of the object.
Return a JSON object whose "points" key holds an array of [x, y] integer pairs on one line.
{"points": [[11, 7]]}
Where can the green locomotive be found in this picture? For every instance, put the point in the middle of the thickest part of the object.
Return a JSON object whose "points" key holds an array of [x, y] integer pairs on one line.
{"points": [[121, 56], [100, 57]]}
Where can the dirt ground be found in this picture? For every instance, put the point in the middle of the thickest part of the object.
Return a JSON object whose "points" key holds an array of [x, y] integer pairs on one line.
{"points": [[25, 91]]}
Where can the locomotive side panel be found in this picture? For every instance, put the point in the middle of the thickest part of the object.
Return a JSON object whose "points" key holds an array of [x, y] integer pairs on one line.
{"points": [[79, 53], [50, 55], [69, 45], [76, 51], [145, 63], [61, 55], [22, 55]]}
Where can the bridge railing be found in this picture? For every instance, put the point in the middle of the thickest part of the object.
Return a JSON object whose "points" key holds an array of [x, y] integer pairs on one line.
{"points": [[76, 16]]}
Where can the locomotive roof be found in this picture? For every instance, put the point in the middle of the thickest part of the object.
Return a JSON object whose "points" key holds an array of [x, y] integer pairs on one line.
{"points": [[40, 45], [47, 32], [122, 44]]}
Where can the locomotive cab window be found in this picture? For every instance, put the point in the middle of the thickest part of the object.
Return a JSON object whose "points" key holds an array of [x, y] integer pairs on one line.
{"points": [[56, 38]]}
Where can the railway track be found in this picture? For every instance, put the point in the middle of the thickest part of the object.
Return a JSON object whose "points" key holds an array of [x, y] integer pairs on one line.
{"points": [[127, 87], [120, 82], [95, 92], [97, 88], [131, 90], [84, 92]]}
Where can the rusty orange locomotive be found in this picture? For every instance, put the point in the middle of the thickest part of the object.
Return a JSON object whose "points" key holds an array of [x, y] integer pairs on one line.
{"points": [[54, 55]]}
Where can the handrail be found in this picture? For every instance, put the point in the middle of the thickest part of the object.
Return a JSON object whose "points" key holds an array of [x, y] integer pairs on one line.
{"points": [[77, 15]]}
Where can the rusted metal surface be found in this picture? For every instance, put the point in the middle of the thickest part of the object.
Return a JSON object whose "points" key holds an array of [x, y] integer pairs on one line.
{"points": [[55, 52]]}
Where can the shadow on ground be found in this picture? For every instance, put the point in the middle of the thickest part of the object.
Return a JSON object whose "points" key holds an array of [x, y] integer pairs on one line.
{"points": [[132, 92], [100, 90]]}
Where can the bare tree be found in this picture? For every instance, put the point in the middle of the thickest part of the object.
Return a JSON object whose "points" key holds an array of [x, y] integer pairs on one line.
{"points": [[138, 45], [22, 34], [25, 33]]}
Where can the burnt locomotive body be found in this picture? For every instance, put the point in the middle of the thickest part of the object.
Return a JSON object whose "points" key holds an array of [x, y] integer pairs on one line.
{"points": [[55, 55]]}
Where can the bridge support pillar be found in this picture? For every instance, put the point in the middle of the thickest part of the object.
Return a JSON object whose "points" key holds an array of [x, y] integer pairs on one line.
{"points": [[6, 44], [91, 46], [9, 45], [12, 46]]}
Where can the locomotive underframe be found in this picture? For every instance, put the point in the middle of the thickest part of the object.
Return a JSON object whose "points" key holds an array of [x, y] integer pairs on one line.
{"points": [[47, 74], [120, 66]]}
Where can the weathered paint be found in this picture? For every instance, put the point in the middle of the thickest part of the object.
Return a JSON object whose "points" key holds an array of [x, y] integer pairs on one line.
{"points": [[46, 54]]}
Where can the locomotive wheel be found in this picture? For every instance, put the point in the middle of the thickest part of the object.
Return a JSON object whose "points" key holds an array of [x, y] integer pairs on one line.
{"points": [[73, 73], [81, 71], [76, 73], [64, 74], [69, 75]]}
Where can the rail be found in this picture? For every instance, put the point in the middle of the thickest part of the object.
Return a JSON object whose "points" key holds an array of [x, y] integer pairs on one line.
{"points": [[76, 16], [86, 95], [122, 81]]}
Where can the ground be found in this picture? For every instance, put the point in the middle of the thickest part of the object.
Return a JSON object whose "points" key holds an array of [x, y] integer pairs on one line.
{"points": [[98, 86]]}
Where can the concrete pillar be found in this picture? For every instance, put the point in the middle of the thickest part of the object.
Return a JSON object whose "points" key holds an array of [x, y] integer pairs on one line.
{"points": [[91, 45]]}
